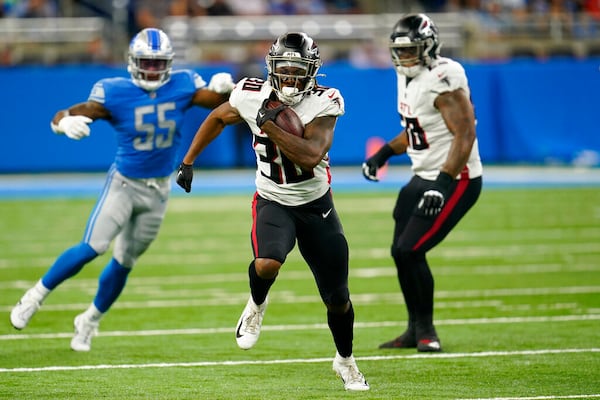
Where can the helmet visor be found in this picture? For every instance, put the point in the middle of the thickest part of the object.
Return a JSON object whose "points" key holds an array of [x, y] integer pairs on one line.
{"points": [[291, 74], [406, 55], [152, 69], [152, 64]]}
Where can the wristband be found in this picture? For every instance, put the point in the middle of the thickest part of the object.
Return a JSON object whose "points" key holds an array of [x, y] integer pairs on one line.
{"points": [[444, 180], [383, 154]]}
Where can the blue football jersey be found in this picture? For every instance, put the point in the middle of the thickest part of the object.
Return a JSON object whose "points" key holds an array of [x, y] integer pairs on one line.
{"points": [[147, 124]]}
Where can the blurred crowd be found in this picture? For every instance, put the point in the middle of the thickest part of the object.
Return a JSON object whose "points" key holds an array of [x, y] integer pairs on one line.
{"points": [[144, 13], [555, 19], [147, 12]]}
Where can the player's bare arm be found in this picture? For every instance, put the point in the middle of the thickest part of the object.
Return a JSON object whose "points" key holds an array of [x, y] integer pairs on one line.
{"points": [[399, 144], [308, 151], [208, 98], [90, 109], [457, 111], [213, 125]]}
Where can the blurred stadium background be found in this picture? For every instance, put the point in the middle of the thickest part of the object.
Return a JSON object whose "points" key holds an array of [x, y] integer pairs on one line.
{"points": [[533, 67]]}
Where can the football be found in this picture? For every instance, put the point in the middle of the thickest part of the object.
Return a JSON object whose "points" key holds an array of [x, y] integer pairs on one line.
{"points": [[287, 119]]}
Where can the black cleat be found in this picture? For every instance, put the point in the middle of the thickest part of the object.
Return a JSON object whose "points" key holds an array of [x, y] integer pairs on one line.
{"points": [[429, 345], [407, 340]]}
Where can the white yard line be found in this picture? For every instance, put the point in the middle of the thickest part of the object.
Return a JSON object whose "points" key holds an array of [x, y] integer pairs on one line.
{"points": [[179, 297], [428, 356], [574, 396], [302, 327]]}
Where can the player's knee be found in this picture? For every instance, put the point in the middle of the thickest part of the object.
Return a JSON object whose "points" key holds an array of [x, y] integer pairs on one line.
{"points": [[338, 309], [406, 256], [337, 301], [99, 247], [400, 252], [126, 258], [267, 268]]}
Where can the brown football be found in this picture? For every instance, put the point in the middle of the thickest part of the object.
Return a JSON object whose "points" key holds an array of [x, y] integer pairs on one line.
{"points": [[287, 119]]}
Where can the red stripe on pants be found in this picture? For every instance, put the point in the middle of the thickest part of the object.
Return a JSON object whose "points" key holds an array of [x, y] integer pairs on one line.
{"points": [[253, 234], [461, 187]]}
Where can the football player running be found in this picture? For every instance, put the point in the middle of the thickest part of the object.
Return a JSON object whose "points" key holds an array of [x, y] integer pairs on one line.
{"points": [[440, 140], [146, 112], [293, 199]]}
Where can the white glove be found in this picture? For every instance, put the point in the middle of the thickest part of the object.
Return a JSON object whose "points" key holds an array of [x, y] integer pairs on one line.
{"points": [[221, 83], [74, 126]]}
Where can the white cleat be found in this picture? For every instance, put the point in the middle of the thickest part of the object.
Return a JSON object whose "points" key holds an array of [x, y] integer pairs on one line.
{"points": [[345, 368], [24, 310], [248, 326], [85, 330]]}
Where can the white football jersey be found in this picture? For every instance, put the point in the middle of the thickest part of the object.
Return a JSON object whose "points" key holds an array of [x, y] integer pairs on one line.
{"points": [[428, 135], [277, 178]]}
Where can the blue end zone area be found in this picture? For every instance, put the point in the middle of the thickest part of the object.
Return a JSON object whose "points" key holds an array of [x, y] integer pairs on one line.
{"points": [[349, 179]]}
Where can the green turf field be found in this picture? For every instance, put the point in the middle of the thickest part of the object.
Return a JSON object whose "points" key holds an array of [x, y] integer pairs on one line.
{"points": [[517, 306]]}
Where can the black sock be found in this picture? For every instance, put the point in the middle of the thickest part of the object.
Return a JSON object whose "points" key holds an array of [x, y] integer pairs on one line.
{"points": [[259, 287], [342, 329]]}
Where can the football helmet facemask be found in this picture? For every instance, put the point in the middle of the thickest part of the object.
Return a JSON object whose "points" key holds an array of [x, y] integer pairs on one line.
{"points": [[292, 64], [414, 44], [149, 59]]}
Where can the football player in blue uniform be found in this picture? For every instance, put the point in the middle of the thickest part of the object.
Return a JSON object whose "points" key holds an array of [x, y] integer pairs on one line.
{"points": [[147, 112]]}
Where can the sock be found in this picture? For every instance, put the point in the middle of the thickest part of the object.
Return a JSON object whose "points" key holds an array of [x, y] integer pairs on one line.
{"points": [[406, 285], [38, 292], [111, 283], [68, 264], [424, 310], [341, 327], [259, 287], [92, 313], [416, 283], [344, 359]]}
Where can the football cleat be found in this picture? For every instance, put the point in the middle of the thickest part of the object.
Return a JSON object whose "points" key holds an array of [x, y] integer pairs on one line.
{"points": [[407, 340], [24, 310], [429, 345], [248, 326], [84, 331], [346, 369]]}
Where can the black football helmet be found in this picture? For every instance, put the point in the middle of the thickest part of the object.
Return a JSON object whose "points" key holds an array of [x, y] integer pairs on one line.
{"points": [[414, 43], [299, 52]]}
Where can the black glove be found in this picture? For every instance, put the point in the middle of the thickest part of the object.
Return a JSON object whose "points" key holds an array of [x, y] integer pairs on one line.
{"points": [[376, 161], [434, 198], [185, 174], [267, 114]]}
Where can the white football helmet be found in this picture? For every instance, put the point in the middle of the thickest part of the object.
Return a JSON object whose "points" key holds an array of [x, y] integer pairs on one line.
{"points": [[149, 59], [298, 51]]}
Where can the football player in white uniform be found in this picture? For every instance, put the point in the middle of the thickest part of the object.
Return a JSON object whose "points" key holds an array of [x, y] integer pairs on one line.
{"points": [[439, 137], [293, 198]]}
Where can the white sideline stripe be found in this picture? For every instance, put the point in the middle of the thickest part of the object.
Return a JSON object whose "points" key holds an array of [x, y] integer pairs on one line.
{"points": [[297, 360], [302, 327], [573, 396]]}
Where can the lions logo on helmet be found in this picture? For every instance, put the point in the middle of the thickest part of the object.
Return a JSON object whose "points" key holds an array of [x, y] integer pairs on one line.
{"points": [[292, 64], [150, 58], [414, 43]]}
